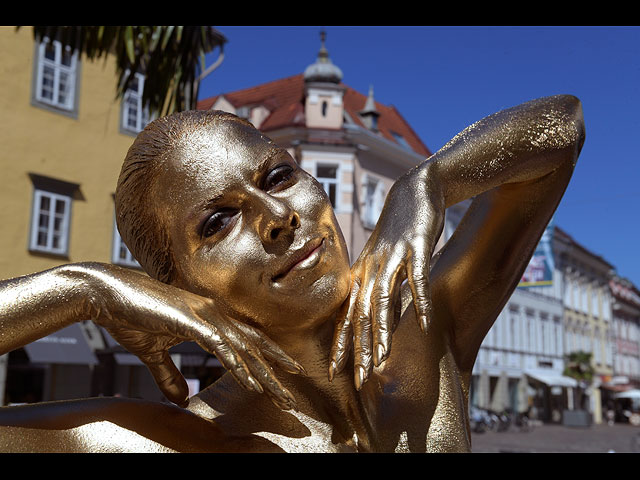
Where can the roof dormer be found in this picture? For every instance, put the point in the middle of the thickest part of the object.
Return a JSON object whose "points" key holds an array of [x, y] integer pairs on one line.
{"points": [[369, 114]]}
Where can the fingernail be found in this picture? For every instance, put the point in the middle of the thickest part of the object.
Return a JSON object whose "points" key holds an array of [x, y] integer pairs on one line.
{"points": [[289, 402], [280, 403], [255, 385], [301, 369], [332, 370], [424, 324], [295, 368], [379, 354], [359, 377]]}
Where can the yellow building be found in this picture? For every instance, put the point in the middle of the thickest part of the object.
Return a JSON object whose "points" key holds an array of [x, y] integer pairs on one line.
{"points": [[63, 144], [63, 136], [587, 312]]}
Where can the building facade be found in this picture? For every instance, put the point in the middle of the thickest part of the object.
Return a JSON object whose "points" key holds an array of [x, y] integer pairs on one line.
{"points": [[587, 311], [625, 333]]}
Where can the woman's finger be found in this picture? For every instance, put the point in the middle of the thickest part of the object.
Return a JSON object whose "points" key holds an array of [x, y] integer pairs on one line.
{"points": [[343, 333], [418, 279], [221, 345], [361, 321], [384, 299], [238, 348], [168, 378], [258, 366]]}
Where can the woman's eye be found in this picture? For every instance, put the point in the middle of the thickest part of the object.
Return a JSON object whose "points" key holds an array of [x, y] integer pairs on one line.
{"points": [[277, 176], [218, 221]]}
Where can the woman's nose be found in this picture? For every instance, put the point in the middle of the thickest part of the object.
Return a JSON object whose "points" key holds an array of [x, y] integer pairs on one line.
{"points": [[276, 220]]}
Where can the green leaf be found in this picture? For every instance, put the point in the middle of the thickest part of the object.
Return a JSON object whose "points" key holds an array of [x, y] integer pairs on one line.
{"points": [[167, 35], [128, 37], [155, 37]]}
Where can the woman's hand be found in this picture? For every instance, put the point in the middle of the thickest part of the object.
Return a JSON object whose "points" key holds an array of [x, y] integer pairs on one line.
{"points": [[148, 317], [400, 247]]}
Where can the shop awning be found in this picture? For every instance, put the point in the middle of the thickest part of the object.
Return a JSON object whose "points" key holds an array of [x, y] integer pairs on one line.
{"points": [[66, 346], [553, 379], [635, 393]]}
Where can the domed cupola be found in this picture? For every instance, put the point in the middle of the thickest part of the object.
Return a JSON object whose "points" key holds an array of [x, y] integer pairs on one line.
{"points": [[323, 92], [323, 70]]}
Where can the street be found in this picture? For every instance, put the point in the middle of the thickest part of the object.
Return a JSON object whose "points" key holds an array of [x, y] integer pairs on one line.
{"points": [[619, 438]]}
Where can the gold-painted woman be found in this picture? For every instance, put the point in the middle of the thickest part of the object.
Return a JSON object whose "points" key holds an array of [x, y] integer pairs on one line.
{"points": [[245, 257]]}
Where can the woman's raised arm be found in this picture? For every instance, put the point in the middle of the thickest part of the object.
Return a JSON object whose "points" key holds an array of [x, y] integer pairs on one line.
{"points": [[146, 317], [516, 165]]}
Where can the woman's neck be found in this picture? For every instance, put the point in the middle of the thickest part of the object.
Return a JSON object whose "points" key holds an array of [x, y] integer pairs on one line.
{"points": [[337, 401]]}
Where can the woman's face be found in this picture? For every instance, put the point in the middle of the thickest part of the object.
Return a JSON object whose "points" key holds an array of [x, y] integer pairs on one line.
{"points": [[251, 229]]}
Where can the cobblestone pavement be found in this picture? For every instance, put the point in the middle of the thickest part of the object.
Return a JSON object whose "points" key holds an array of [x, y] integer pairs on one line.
{"points": [[619, 438]]}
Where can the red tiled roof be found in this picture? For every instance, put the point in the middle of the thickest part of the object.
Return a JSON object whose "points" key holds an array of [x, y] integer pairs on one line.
{"points": [[389, 120], [284, 98]]}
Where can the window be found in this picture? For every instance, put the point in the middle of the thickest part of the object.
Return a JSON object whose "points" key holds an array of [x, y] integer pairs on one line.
{"points": [[50, 222], [598, 346], [606, 307], [56, 75], [531, 331], [511, 340], [120, 254], [327, 175], [134, 116], [373, 195], [568, 293], [595, 310], [244, 112], [401, 140], [584, 299]]}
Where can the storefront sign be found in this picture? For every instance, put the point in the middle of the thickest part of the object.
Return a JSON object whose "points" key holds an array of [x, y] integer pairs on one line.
{"points": [[540, 269], [66, 346]]}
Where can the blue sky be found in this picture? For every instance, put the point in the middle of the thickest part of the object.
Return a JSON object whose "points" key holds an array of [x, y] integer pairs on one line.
{"points": [[442, 79]]}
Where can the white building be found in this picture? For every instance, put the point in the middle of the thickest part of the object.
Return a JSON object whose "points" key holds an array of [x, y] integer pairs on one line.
{"points": [[526, 340]]}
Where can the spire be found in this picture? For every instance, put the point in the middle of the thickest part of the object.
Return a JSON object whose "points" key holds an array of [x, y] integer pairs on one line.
{"points": [[323, 54], [370, 106], [369, 113], [323, 70]]}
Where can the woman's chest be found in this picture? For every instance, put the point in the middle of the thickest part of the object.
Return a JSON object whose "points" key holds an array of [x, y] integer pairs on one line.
{"points": [[417, 400]]}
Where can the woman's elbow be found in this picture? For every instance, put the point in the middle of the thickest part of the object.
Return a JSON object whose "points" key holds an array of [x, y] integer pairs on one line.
{"points": [[572, 106]]}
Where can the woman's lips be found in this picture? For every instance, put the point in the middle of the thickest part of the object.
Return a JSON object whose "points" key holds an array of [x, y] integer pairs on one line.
{"points": [[306, 257]]}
